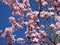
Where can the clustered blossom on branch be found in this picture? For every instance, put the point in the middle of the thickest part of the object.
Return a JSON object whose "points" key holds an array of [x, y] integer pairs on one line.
{"points": [[35, 33]]}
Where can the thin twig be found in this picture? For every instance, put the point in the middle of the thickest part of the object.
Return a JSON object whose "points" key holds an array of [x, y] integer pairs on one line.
{"points": [[40, 8]]}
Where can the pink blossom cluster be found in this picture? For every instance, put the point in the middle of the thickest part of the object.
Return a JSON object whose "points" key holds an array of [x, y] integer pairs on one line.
{"points": [[35, 34], [46, 14], [56, 4]]}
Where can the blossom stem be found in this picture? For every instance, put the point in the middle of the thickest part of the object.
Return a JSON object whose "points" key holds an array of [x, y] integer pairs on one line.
{"points": [[55, 38]]}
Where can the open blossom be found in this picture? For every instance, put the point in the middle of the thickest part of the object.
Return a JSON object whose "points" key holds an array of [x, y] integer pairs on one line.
{"points": [[37, 0], [12, 19], [58, 32], [37, 27], [32, 26], [58, 8], [26, 2], [5, 2], [35, 40], [0, 31], [10, 43], [55, 3], [51, 14], [13, 28], [33, 34], [44, 14], [58, 24], [53, 26], [26, 23], [58, 44], [7, 33], [12, 38], [52, 8], [43, 32], [7, 30], [44, 3], [42, 26], [40, 0], [15, 7], [20, 40], [31, 21], [17, 25], [36, 44], [57, 18], [35, 13], [28, 14]]}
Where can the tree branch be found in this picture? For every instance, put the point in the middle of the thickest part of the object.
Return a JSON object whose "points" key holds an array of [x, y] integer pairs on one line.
{"points": [[40, 8]]}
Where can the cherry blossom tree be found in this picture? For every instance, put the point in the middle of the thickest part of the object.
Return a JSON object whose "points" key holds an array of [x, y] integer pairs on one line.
{"points": [[36, 32]]}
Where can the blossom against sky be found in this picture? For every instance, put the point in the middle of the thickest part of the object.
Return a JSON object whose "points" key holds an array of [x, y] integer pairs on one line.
{"points": [[29, 21]]}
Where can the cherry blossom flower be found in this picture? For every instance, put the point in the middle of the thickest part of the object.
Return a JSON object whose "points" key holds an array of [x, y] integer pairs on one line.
{"points": [[35, 13], [7, 33], [58, 44], [43, 32], [10, 43], [57, 18], [37, 0], [35, 40], [20, 40], [12, 38], [57, 32], [53, 26], [44, 3], [52, 8], [26, 23], [42, 26], [42, 0], [26, 2], [58, 24], [17, 25], [58, 8], [44, 14], [51, 14], [12, 19], [36, 44], [0, 31]]}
